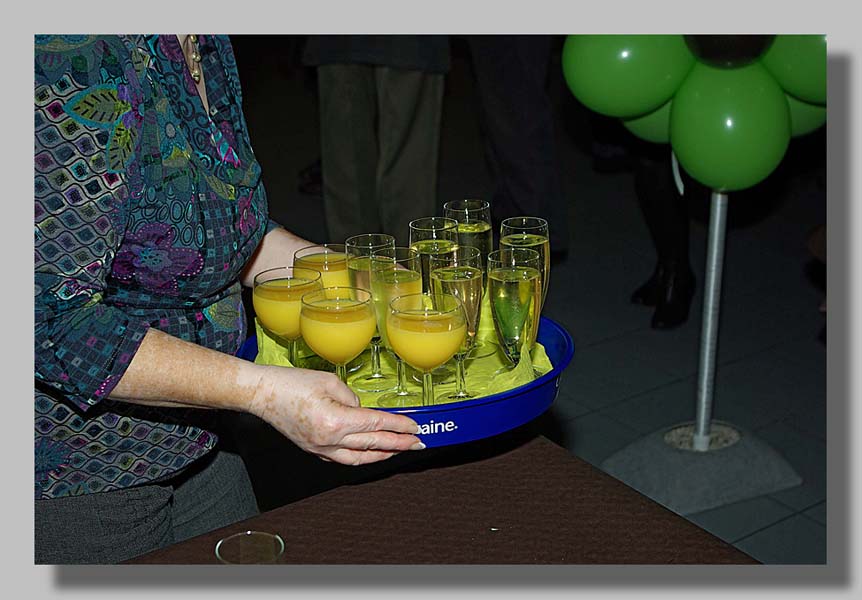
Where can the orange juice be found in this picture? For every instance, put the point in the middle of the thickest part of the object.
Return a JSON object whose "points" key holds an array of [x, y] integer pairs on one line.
{"points": [[277, 304], [425, 341], [332, 267], [337, 334]]}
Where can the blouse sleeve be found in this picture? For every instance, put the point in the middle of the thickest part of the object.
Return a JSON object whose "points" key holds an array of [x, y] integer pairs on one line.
{"points": [[82, 344]]}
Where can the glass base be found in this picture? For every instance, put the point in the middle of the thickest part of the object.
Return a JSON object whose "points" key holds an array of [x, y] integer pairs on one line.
{"points": [[483, 349], [396, 399], [444, 375], [455, 396], [371, 383]]}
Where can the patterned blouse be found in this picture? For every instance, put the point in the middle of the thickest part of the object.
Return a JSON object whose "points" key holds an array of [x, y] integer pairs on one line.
{"points": [[147, 208]]}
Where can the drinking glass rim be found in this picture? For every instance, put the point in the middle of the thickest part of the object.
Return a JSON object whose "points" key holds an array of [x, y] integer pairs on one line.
{"points": [[540, 222], [291, 269], [328, 248], [387, 244], [531, 255], [451, 224], [424, 310], [330, 289], [251, 532], [476, 254], [481, 205]]}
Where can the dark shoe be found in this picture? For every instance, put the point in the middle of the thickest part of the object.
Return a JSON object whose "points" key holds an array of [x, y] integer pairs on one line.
{"points": [[676, 292], [649, 293]]}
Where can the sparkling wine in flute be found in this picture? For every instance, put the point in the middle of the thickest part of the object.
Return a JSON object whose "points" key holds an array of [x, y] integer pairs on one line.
{"points": [[359, 269], [479, 235], [465, 283], [540, 244], [515, 294], [428, 248]]}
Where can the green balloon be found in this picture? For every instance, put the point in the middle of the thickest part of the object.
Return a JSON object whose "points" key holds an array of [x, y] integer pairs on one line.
{"points": [[729, 128], [625, 75], [804, 117], [652, 127], [798, 63]]}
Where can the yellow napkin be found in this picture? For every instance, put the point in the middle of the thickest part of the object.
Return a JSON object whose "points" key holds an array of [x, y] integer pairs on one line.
{"points": [[480, 377]]}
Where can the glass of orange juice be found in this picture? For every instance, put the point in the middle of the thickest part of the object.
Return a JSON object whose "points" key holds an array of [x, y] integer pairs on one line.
{"points": [[394, 272], [277, 300], [337, 324], [329, 259], [426, 330]]}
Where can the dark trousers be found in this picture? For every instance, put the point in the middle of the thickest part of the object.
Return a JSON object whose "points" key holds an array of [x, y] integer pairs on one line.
{"points": [[380, 137], [110, 527], [518, 128]]}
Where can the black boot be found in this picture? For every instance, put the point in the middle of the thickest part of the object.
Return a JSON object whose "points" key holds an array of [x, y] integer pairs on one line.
{"points": [[676, 286]]}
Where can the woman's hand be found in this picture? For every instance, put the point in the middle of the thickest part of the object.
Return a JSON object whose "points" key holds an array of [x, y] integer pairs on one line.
{"points": [[322, 416]]}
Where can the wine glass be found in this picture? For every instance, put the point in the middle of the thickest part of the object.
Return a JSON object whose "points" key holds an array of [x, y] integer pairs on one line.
{"points": [[359, 249], [277, 299], [394, 272], [529, 232], [331, 261], [337, 323], [514, 283], [432, 236], [474, 229], [460, 274], [426, 330]]}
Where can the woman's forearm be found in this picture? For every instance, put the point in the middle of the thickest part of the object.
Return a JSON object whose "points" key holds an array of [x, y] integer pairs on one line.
{"points": [[275, 250], [167, 371]]}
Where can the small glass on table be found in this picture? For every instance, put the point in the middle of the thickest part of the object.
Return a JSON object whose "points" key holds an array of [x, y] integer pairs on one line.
{"points": [[277, 300], [394, 272], [337, 324], [514, 285], [460, 274], [426, 330], [250, 548], [359, 249]]}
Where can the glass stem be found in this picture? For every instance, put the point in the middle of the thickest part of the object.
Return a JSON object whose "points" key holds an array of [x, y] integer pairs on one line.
{"points": [[375, 358], [291, 351], [427, 389], [341, 372], [461, 376], [401, 373]]}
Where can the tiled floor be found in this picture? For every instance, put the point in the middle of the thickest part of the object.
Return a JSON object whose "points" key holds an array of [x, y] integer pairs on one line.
{"points": [[627, 380]]}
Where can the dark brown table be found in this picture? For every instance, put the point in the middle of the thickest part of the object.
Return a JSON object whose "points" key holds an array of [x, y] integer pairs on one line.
{"points": [[531, 504]]}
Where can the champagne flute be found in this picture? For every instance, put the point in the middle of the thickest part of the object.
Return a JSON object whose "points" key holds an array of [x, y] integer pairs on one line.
{"points": [[277, 300], [529, 232], [337, 323], [460, 274], [514, 283], [426, 330], [394, 272], [432, 236], [474, 229], [359, 249]]}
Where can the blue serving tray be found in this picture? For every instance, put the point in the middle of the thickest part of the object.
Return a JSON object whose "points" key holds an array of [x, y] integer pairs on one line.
{"points": [[459, 422]]}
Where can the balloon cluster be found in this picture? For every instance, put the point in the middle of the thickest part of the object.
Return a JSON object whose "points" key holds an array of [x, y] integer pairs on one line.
{"points": [[727, 104]]}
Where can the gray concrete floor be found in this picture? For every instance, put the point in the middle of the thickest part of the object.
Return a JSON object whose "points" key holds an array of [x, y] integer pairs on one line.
{"points": [[626, 380]]}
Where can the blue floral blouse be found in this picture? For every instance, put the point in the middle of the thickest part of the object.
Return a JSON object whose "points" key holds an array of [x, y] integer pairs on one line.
{"points": [[147, 207]]}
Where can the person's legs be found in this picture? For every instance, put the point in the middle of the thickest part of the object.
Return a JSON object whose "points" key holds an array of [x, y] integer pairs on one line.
{"points": [[348, 149], [219, 494], [410, 106], [511, 73], [671, 286], [103, 528]]}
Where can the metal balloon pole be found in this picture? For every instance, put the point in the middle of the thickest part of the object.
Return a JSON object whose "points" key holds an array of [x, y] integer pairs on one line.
{"points": [[697, 466]]}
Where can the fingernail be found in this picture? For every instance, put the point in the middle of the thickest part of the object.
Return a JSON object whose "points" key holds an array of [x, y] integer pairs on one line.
{"points": [[418, 446]]}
